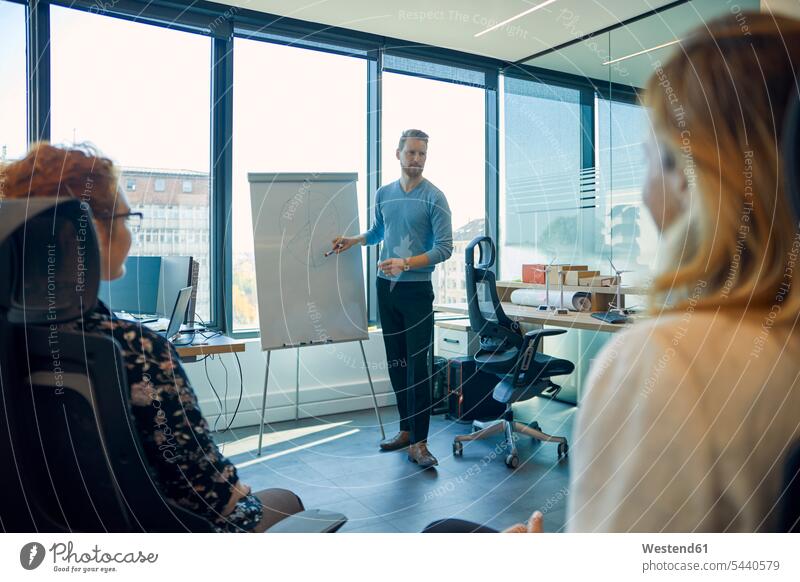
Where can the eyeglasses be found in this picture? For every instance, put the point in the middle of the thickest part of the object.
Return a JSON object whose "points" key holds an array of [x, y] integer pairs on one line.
{"points": [[133, 219]]}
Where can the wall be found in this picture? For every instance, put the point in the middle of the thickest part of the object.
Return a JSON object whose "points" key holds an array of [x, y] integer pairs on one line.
{"points": [[332, 379]]}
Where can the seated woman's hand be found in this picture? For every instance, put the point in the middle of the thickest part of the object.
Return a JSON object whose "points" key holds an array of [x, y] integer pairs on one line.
{"points": [[238, 491], [534, 525]]}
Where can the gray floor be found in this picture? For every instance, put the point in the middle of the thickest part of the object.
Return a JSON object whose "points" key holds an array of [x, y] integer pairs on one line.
{"points": [[334, 463]]}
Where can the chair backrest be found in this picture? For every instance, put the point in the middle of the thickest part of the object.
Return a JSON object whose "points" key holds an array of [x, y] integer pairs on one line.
{"points": [[790, 146], [789, 512], [49, 261], [70, 442], [76, 441], [486, 315]]}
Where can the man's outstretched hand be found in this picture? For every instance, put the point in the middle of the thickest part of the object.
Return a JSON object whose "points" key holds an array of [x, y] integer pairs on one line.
{"points": [[535, 525], [342, 243]]}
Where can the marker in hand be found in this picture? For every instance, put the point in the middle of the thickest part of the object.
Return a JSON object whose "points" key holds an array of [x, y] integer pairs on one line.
{"points": [[334, 249]]}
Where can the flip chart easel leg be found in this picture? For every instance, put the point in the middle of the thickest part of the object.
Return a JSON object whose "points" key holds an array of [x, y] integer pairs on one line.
{"points": [[263, 406], [297, 387], [372, 389]]}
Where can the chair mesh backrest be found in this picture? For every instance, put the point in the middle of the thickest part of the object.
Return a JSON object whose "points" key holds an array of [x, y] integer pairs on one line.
{"points": [[485, 303], [791, 150], [789, 504], [78, 442], [49, 260], [486, 315]]}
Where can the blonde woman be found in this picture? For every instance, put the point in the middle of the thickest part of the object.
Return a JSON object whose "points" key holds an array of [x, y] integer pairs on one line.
{"points": [[688, 416]]}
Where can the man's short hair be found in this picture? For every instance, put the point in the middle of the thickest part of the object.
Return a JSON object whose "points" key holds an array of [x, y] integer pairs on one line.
{"points": [[411, 134]]}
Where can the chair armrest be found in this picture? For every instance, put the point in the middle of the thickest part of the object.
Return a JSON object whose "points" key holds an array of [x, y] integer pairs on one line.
{"points": [[544, 332], [310, 521], [536, 335], [530, 345]]}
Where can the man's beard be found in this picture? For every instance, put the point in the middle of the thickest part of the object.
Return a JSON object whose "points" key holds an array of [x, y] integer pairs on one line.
{"points": [[412, 171]]}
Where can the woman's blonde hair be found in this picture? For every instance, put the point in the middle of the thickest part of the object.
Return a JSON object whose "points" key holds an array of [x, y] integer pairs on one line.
{"points": [[719, 104]]}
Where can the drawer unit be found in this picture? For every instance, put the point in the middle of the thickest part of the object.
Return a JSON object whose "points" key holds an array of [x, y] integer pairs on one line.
{"points": [[453, 338]]}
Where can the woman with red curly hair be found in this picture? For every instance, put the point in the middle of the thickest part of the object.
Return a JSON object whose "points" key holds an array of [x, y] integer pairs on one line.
{"points": [[195, 474]]}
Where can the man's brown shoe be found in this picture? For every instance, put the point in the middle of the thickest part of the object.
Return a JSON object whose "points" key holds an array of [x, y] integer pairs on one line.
{"points": [[400, 440], [419, 454]]}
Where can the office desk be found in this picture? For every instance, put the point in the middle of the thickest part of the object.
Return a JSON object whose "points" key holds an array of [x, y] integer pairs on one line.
{"points": [[525, 314], [220, 344]]}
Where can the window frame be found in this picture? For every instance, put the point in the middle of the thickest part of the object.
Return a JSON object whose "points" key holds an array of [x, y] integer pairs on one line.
{"points": [[220, 23]]}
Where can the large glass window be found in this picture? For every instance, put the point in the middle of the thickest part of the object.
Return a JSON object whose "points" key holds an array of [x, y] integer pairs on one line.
{"points": [[454, 116], [13, 140], [295, 110], [142, 95], [547, 201], [631, 234]]}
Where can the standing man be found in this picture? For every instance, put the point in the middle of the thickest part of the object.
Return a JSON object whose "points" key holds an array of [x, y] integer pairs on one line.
{"points": [[412, 219]]}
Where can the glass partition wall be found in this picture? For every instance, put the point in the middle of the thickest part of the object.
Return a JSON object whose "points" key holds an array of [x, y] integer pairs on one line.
{"points": [[587, 209]]}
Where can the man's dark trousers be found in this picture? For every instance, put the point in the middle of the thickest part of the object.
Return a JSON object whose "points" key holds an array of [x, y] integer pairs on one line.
{"points": [[406, 310]]}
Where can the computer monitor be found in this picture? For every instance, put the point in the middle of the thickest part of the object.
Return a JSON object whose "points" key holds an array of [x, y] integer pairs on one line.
{"points": [[176, 273], [178, 312], [137, 291]]}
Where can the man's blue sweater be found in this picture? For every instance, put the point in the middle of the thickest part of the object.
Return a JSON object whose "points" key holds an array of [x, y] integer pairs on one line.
{"points": [[410, 224]]}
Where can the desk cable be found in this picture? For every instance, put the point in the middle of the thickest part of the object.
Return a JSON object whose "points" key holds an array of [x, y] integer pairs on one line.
{"points": [[223, 402]]}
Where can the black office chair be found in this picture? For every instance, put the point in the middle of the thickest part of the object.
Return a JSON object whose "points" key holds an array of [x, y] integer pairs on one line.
{"points": [[789, 505], [70, 446], [524, 372], [789, 498]]}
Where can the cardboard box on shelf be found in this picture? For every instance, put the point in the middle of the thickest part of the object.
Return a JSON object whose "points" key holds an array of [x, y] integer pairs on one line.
{"points": [[574, 277], [534, 273], [600, 281], [555, 275]]}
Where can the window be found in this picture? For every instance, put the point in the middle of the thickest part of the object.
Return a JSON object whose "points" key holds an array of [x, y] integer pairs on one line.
{"points": [[454, 116], [547, 200], [313, 120], [186, 186], [135, 128], [13, 87], [130, 185], [631, 234]]}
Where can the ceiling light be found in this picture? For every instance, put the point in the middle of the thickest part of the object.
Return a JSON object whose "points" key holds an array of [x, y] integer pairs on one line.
{"points": [[611, 62], [513, 18]]}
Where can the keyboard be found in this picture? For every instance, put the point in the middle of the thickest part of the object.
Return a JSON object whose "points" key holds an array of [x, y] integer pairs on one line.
{"points": [[609, 317]]}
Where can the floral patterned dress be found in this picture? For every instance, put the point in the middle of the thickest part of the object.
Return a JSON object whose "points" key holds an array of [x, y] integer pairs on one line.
{"points": [[175, 436]]}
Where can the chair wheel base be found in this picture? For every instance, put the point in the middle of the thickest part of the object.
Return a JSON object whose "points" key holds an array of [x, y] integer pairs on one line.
{"points": [[512, 461], [563, 449], [458, 449]]}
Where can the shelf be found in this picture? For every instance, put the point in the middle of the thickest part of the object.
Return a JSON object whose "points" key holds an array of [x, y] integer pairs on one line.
{"points": [[624, 289], [526, 314]]}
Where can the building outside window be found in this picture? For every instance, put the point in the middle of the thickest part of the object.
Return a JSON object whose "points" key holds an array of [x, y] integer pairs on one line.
{"points": [[158, 149]]}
